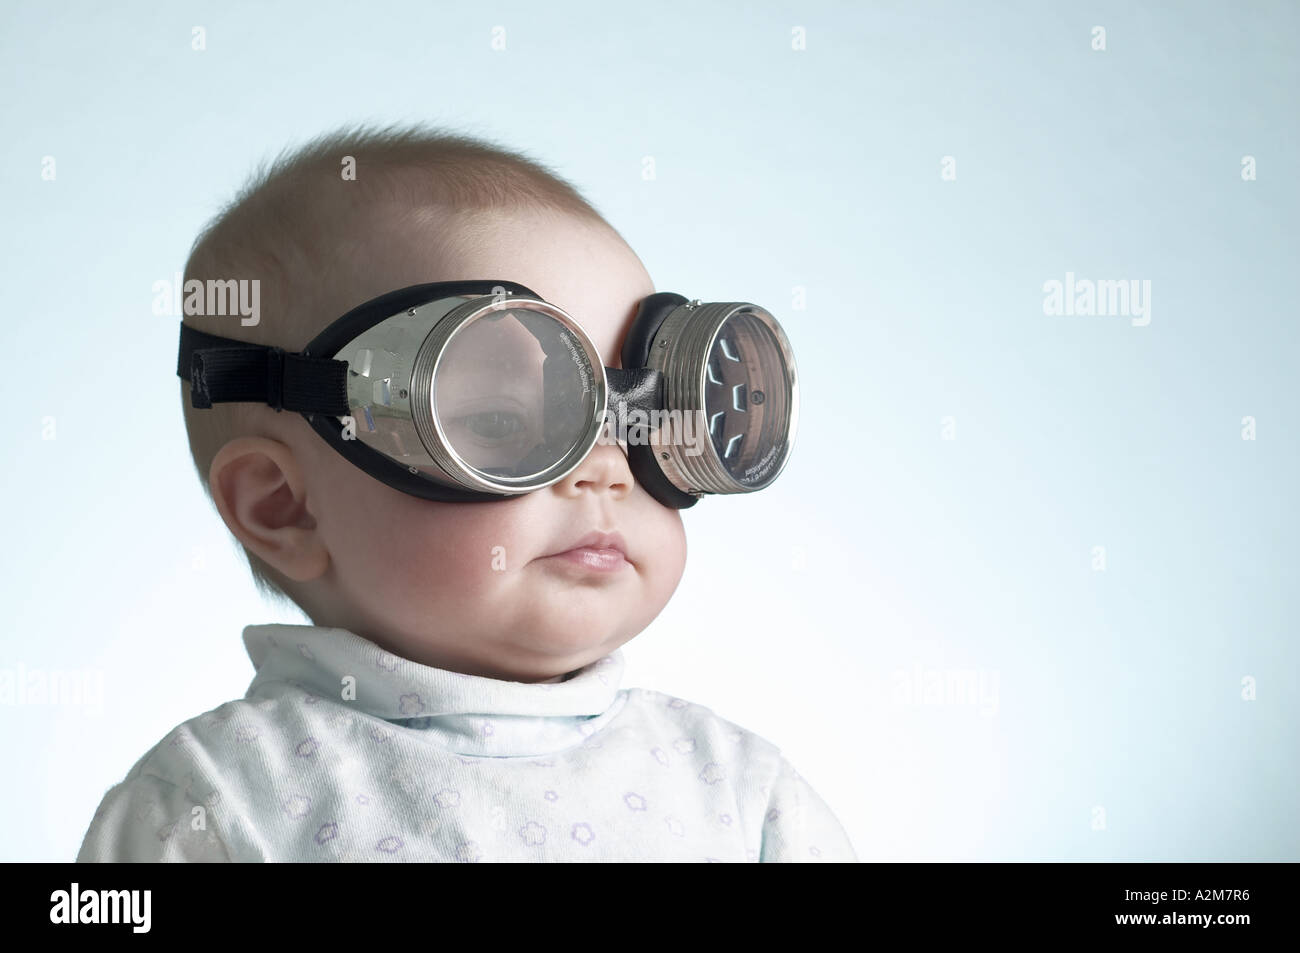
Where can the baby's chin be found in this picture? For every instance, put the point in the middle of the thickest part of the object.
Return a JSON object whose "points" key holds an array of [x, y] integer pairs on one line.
{"points": [[544, 668], [559, 643], [530, 634]]}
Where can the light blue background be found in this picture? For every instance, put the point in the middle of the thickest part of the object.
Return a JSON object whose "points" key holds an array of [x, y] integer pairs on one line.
{"points": [[884, 547]]}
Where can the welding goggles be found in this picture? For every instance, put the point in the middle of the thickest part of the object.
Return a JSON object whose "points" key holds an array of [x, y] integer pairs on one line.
{"points": [[474, 391]]}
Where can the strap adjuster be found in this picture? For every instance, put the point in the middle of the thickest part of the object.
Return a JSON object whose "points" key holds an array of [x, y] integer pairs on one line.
{"points": [[199, 395]]}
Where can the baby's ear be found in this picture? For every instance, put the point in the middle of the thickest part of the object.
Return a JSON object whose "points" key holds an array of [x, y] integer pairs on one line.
{"points": [[259, 490]]}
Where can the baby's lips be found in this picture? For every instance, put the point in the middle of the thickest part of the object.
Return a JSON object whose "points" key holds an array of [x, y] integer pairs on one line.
{"points": [[597, 539]]}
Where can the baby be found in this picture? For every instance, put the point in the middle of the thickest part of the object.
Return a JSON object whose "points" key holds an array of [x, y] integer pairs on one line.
{"points": [[458, 696]]}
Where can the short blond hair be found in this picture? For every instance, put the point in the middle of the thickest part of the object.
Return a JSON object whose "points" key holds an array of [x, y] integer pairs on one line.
{"points": [[287, 228]]}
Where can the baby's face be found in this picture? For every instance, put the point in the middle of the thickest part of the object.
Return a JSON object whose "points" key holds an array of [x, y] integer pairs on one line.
{"points": [[469, 586]]}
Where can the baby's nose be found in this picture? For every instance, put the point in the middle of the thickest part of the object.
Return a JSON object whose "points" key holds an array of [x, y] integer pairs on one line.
{"points": [[605, 470]]}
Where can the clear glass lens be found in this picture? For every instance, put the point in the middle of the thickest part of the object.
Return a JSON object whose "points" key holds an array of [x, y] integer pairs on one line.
{"points": [[745, 399], [513, 393]]}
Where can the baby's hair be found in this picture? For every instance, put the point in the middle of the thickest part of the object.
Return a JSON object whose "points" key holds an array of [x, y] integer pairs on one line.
{"points": [[305, 224]]}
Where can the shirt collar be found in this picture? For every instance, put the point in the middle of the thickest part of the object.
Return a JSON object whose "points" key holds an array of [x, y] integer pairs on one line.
{"points": [[471, 714]]}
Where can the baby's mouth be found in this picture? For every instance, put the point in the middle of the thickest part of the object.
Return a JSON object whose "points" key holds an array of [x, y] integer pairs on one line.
{"points": [[597, 560], [597, 551]]}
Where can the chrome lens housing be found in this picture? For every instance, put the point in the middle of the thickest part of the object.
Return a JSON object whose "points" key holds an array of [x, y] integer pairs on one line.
{"points": [[522, 366], [729, 374]]}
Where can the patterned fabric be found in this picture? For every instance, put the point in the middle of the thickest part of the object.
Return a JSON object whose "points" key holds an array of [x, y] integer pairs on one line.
{"points": [[341, 751]]}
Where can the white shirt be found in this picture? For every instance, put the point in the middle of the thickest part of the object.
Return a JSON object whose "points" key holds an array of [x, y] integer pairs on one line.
{"points": [[341, 751]]}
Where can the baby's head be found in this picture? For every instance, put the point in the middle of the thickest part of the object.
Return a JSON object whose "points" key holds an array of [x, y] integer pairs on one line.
{"points": [[461, 586]]}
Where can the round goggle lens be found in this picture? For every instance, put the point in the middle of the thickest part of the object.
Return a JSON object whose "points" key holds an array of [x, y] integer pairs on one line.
{"points": [[746, 400], [513, 393]]}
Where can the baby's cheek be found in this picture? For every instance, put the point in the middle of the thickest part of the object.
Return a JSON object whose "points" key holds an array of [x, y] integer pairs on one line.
{"points": [[667, 543], [449, 557], [666, 562]]}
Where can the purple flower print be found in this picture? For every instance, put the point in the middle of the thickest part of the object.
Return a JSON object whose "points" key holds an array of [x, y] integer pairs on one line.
{"points": [[713, 773]]}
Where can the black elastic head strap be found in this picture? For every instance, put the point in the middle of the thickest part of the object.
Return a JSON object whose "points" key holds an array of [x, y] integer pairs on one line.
{"points": [[221, 370], [224, 370]]}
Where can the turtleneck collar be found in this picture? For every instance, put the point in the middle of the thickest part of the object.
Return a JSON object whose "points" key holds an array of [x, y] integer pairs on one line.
{"points": [[467, 714]]}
